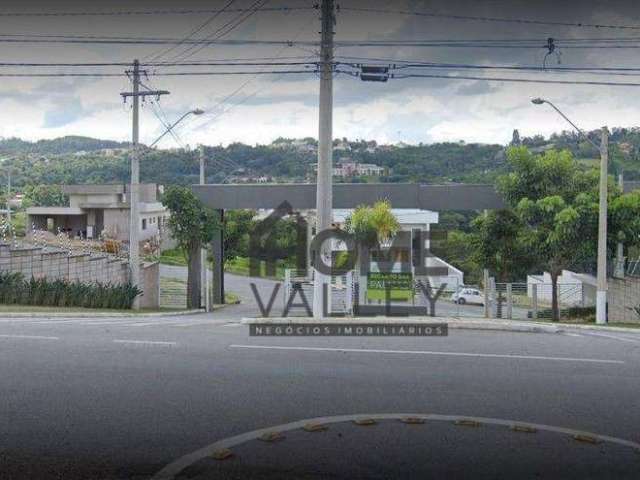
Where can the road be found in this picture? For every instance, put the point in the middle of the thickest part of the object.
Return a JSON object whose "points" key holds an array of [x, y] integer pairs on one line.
{"points": [[121, 398]]}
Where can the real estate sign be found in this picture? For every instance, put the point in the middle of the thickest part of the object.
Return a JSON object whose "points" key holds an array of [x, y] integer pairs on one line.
{"points": [[400, 285]]}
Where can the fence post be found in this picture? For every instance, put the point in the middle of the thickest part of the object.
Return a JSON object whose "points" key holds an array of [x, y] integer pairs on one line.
{"points": [[510, 301], [534, 301]]}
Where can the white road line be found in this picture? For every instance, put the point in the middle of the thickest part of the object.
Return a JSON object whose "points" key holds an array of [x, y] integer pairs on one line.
{"points": [[147, 342], [613, 337], [30, 337], [427, 352]]}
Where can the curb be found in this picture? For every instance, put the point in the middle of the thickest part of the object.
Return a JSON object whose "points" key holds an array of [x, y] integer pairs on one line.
{"points": [[454, 323], [177, 313]]}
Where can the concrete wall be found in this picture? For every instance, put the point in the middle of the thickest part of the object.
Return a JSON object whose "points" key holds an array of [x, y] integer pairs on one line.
{"points": [[623, 295], [53, 263]]}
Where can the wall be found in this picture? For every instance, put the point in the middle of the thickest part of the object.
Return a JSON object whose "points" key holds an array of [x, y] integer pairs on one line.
{"points": [[623, 295], [54, 263]]}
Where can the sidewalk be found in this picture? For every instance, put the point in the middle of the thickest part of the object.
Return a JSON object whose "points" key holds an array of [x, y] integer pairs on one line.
{"points": [[452, 322]]}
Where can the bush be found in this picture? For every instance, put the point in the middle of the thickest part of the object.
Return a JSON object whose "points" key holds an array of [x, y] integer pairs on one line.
{"points": [[14, 289]]}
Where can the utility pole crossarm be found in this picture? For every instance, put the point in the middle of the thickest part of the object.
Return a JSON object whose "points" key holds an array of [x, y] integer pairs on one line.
{"points": [[146, 93]]}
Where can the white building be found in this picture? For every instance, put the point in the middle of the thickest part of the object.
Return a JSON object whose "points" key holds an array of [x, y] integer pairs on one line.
{"points": [[574, 289]]}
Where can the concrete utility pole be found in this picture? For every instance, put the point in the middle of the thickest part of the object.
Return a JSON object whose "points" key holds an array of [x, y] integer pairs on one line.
{"points": [[134, 204], [601, 295], [204, 270], [9, 195], [324, 192], [134, 185], [620, 260]]}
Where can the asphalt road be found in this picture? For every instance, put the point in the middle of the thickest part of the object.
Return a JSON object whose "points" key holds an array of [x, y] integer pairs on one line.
{"points": [[124, 397]]}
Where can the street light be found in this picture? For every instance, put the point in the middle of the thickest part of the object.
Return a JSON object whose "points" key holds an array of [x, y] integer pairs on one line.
{"points": [[134, 216], [196, 111], [601, 298], [2, 160]]}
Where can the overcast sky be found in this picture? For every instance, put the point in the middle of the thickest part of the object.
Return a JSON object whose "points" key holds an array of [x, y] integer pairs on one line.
{"points": [[410, 110]]}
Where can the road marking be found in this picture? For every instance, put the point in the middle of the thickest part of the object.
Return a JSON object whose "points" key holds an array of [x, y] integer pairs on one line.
{"points": [[173, 469], [30, 337], [613, 337], [147, 342], [428, 352]]}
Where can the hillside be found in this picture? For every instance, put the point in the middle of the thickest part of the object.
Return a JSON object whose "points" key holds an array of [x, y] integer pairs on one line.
{"points": [[57, 146], [88, 160]]}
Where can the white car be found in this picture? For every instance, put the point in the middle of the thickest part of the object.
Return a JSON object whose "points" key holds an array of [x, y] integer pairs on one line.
{"points": [[468, 295]]}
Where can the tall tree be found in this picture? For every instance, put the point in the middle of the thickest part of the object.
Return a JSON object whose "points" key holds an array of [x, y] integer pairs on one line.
{"points": [[192, 225]]}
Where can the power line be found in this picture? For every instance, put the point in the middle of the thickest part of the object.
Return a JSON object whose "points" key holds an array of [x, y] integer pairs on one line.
{"points": [[491, 19], [221, 32], [171, 11], [155, 74], [193, 32], [516, 80]]}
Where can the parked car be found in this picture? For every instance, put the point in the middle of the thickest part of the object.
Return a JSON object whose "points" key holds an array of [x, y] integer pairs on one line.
{"points": [[468, 295]]}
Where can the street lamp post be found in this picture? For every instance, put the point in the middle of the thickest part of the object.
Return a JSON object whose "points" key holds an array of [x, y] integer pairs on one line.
{"points": [[601, 296], [134, 225], [8, 189]]}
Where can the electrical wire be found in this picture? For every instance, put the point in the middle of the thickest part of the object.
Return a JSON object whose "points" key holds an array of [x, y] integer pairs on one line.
{"points": [[517, 80], [221, 32], [170, 11], [525, 21], [192, 33]]}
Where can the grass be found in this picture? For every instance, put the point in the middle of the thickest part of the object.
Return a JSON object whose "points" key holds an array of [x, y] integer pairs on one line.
{"points": [[237, 266]]}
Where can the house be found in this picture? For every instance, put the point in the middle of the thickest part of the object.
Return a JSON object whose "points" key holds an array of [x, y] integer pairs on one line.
{"points": [[349, 168], [574, 289], [97, 211]]}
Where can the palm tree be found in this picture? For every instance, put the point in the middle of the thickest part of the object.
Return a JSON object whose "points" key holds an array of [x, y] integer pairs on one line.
{"points": [[370, 227]]}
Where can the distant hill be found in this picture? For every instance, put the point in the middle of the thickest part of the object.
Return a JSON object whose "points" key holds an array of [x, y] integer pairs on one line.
{"points": [[76, 159], [57, 146]]}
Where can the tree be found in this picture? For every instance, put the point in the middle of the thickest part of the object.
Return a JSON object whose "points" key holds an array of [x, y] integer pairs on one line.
{"points": [[499, 245], [192, 225], [371, 226], [44, 196], [557, 201], [237, 227], [515, 139]]}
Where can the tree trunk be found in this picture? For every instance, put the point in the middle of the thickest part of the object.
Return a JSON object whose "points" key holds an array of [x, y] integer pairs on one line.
{"points": [[555, 309], [193, 277]]}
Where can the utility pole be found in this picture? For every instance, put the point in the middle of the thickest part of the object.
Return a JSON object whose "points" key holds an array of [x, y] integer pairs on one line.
{"points": [[601, 295], [9, 195], [204, 270], [134, 186], [324, 191], [620, 260]]}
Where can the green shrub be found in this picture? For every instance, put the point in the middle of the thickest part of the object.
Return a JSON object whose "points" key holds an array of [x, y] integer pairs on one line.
{"points": [[14, 289]]}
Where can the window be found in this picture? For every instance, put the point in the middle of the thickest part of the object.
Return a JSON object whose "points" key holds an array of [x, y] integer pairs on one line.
{"points": [[144, 223]]}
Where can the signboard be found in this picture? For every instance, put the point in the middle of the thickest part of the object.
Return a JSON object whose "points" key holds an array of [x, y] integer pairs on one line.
{"points": [[400, 284]]}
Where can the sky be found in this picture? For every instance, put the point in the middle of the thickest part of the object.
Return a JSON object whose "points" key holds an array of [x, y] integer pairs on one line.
{"points": [[260, 108]]}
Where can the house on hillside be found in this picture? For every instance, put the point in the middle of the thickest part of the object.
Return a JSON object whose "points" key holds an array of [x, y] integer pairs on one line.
{"points": [[101, 210]]}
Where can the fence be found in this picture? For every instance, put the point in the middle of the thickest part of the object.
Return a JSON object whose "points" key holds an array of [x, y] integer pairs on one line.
{"points": [[342, 292]]}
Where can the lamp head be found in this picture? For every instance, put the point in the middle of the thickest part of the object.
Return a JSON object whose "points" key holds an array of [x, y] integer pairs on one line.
{"points": [[197, 111], [537, 101]]}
